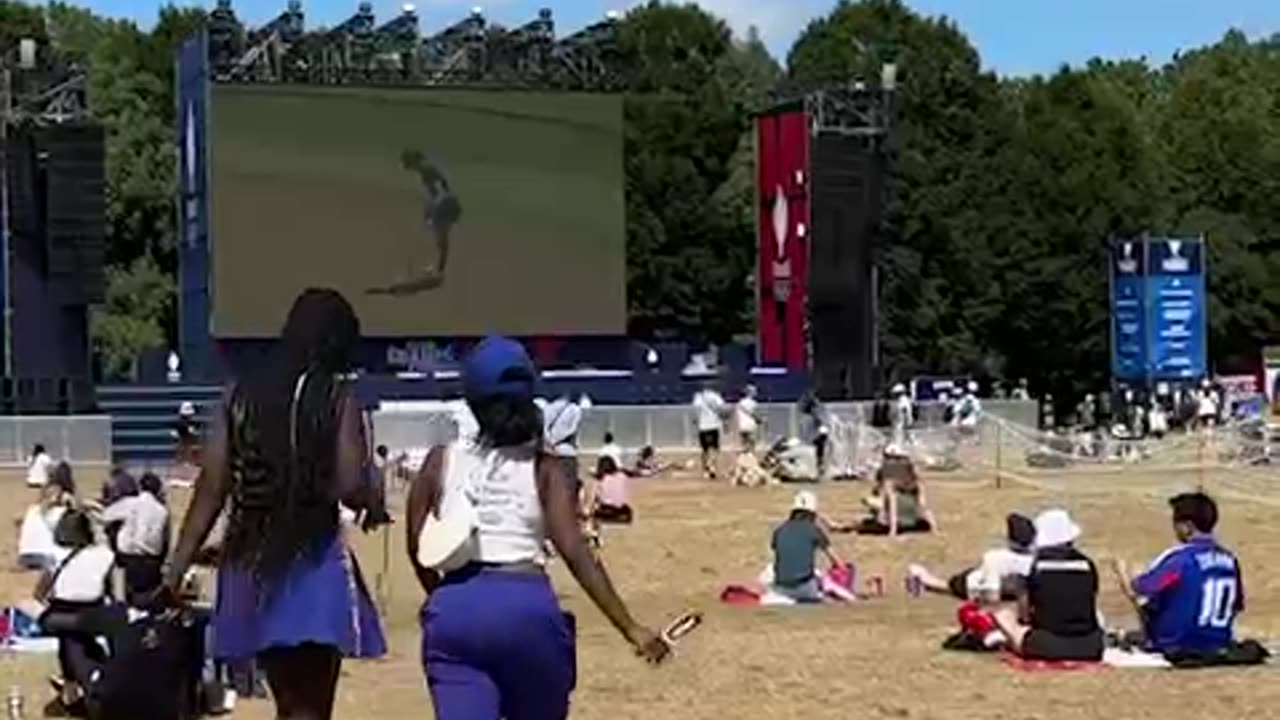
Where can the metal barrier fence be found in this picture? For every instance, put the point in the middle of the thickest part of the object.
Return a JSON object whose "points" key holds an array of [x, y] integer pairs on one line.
{"points": [[667, 428], [78, 439]]}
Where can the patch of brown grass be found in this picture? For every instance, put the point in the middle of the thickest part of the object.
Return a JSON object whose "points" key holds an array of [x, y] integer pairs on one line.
{"points": [[878, 660]]}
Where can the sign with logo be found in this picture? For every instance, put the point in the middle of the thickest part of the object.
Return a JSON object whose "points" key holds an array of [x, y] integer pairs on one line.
{"points": [[1128, 310], [1158, 309], [1176, 308]]}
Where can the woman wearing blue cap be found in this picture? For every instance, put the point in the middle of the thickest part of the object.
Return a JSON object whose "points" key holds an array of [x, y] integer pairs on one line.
{"points": [[495, 641]]}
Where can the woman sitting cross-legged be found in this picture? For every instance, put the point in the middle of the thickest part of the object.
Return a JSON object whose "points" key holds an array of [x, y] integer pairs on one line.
{"points": [[611, 494]]}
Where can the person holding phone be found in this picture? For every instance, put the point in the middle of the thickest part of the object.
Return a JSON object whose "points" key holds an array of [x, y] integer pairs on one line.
{"points": [[495, 642]]}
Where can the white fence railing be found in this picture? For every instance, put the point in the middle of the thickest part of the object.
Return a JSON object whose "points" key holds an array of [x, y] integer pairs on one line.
{"points": [[667, 428], [78, 439]]}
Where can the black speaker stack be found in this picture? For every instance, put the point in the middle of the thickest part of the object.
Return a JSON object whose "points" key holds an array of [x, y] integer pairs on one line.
{"points": [[845, 210], [55, 183]]}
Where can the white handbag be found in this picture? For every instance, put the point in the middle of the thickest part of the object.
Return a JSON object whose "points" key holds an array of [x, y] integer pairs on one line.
{"points": [[447, 540]]}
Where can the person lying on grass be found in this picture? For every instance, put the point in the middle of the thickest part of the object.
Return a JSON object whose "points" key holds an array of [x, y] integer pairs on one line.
{"points": [[998, 577]]}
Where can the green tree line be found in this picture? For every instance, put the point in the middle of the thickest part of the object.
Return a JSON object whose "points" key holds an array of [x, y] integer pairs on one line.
{"points": [[1003, 191]]}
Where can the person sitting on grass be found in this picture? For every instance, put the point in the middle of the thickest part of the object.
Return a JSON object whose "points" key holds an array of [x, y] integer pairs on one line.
{"points": [[793, 577], [897, 504], [611, 497], [647, 464], [999, 576], [1056, 617], [1190, 596], [37, 548]]}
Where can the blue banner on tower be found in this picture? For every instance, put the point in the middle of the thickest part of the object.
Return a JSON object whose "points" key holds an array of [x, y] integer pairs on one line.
{"points": [[196, 344], [1129, 345], [1176, 308]]}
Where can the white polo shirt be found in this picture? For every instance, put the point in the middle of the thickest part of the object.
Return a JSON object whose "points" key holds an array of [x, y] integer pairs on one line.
{"points": [[144, 524]]}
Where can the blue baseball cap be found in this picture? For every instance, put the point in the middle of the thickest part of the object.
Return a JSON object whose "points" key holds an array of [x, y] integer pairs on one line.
{"points": [[498, 366]]}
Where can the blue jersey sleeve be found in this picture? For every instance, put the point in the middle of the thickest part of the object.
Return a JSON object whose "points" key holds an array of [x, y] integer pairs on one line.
{"points": [[1165, 573]]}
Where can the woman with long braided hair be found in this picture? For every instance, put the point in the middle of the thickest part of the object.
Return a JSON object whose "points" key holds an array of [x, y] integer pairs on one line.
{"points": [[287, 448]]}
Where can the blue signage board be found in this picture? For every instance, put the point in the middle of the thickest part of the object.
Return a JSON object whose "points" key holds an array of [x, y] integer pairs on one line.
{"points": [[1129, 343], [1176, 308]]}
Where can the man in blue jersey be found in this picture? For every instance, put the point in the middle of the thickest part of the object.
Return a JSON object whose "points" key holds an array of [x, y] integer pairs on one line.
{"points": [[1191, 595]]}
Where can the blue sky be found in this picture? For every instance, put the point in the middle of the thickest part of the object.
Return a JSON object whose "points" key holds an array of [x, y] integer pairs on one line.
{"points": [[1014, 36]]}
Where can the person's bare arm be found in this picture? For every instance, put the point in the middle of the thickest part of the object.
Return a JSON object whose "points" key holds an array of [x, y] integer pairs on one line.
{"points": [[891, 507], [351, 488], [44, 587], [211, 489], [559, 508], [424, 498]]}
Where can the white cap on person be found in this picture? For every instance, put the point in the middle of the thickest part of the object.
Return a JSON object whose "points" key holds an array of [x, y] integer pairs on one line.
{"points": [[805, 500], [899, 389], [1055, 527], [894, 450], [187, 409]]}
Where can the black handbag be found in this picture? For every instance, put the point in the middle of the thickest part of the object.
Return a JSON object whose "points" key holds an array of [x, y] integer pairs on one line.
{"points": [[154, 672]]}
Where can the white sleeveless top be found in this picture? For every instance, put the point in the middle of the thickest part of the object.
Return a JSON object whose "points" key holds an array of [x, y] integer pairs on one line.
{"points": [[502, 487]]}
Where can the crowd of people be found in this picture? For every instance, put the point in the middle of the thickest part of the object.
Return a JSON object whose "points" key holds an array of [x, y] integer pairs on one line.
{"points": [[289, 473]]}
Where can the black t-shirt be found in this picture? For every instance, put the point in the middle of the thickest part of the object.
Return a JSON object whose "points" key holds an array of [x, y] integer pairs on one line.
{"points": [[1063, 592]]}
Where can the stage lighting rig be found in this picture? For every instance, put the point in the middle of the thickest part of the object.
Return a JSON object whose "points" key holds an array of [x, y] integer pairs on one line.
{"points": [[521, 57], [272, 54], [38, 88], [396, 46], [588, 59], [457, 54]]}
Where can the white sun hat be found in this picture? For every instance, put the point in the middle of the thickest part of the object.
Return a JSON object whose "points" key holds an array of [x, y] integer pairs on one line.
{"points": [[805, 500], [1055, 527]]}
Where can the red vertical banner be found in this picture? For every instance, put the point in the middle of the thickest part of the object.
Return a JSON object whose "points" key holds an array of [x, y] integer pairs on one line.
{"points": [[782, 188]]}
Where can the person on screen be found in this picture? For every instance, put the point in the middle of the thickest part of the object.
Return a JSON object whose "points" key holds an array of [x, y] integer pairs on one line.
{"points": [[442, 208]]}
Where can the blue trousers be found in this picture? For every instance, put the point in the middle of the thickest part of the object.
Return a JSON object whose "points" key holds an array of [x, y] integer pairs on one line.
{"points": [[496, 644]]}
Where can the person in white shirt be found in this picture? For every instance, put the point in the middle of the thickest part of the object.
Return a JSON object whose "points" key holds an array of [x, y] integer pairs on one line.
{"points": [[1157, 420], [1207, 406], [39, 467], [36, 547], [969, 409], [73, 594], [903, 414], [611, 449], [747, 418], [142, 541], [708, 412], [995, 578]]}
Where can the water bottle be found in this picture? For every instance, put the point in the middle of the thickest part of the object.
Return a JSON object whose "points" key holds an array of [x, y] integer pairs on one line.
{"points": [[15, 703]]}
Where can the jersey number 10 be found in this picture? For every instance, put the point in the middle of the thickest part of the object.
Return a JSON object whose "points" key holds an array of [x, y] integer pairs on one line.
{"points": [[1218, 602]]}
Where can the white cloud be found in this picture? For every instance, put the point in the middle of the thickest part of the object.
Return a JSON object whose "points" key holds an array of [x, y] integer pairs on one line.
{"points": [[779, 21]]}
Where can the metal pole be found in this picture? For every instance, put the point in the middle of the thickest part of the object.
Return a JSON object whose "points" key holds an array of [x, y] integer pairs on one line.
{"points": [[999, 453], [6, 107]]}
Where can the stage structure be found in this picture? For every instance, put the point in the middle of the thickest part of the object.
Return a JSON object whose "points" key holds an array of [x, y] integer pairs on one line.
{"points": [[52, 191], [822, 160], [360, 50], [560, 89]]}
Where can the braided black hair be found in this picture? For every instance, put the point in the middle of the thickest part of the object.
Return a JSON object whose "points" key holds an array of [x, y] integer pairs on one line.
{"points": [[283, 431]]}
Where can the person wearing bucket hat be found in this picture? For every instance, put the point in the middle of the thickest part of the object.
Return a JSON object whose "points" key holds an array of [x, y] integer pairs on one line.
{"points": [[495, 640], [1057, 614]]}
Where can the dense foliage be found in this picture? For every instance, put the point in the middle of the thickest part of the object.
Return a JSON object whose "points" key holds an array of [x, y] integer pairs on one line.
{"points": [[1004, 192]]}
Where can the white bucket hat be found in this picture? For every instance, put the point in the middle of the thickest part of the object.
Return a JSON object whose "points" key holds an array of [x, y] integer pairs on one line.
{"points": [[805, 500], [1055, 527]]}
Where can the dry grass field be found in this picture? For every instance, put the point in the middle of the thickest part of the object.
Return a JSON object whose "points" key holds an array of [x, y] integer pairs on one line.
{"points": [[877, 660]]}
